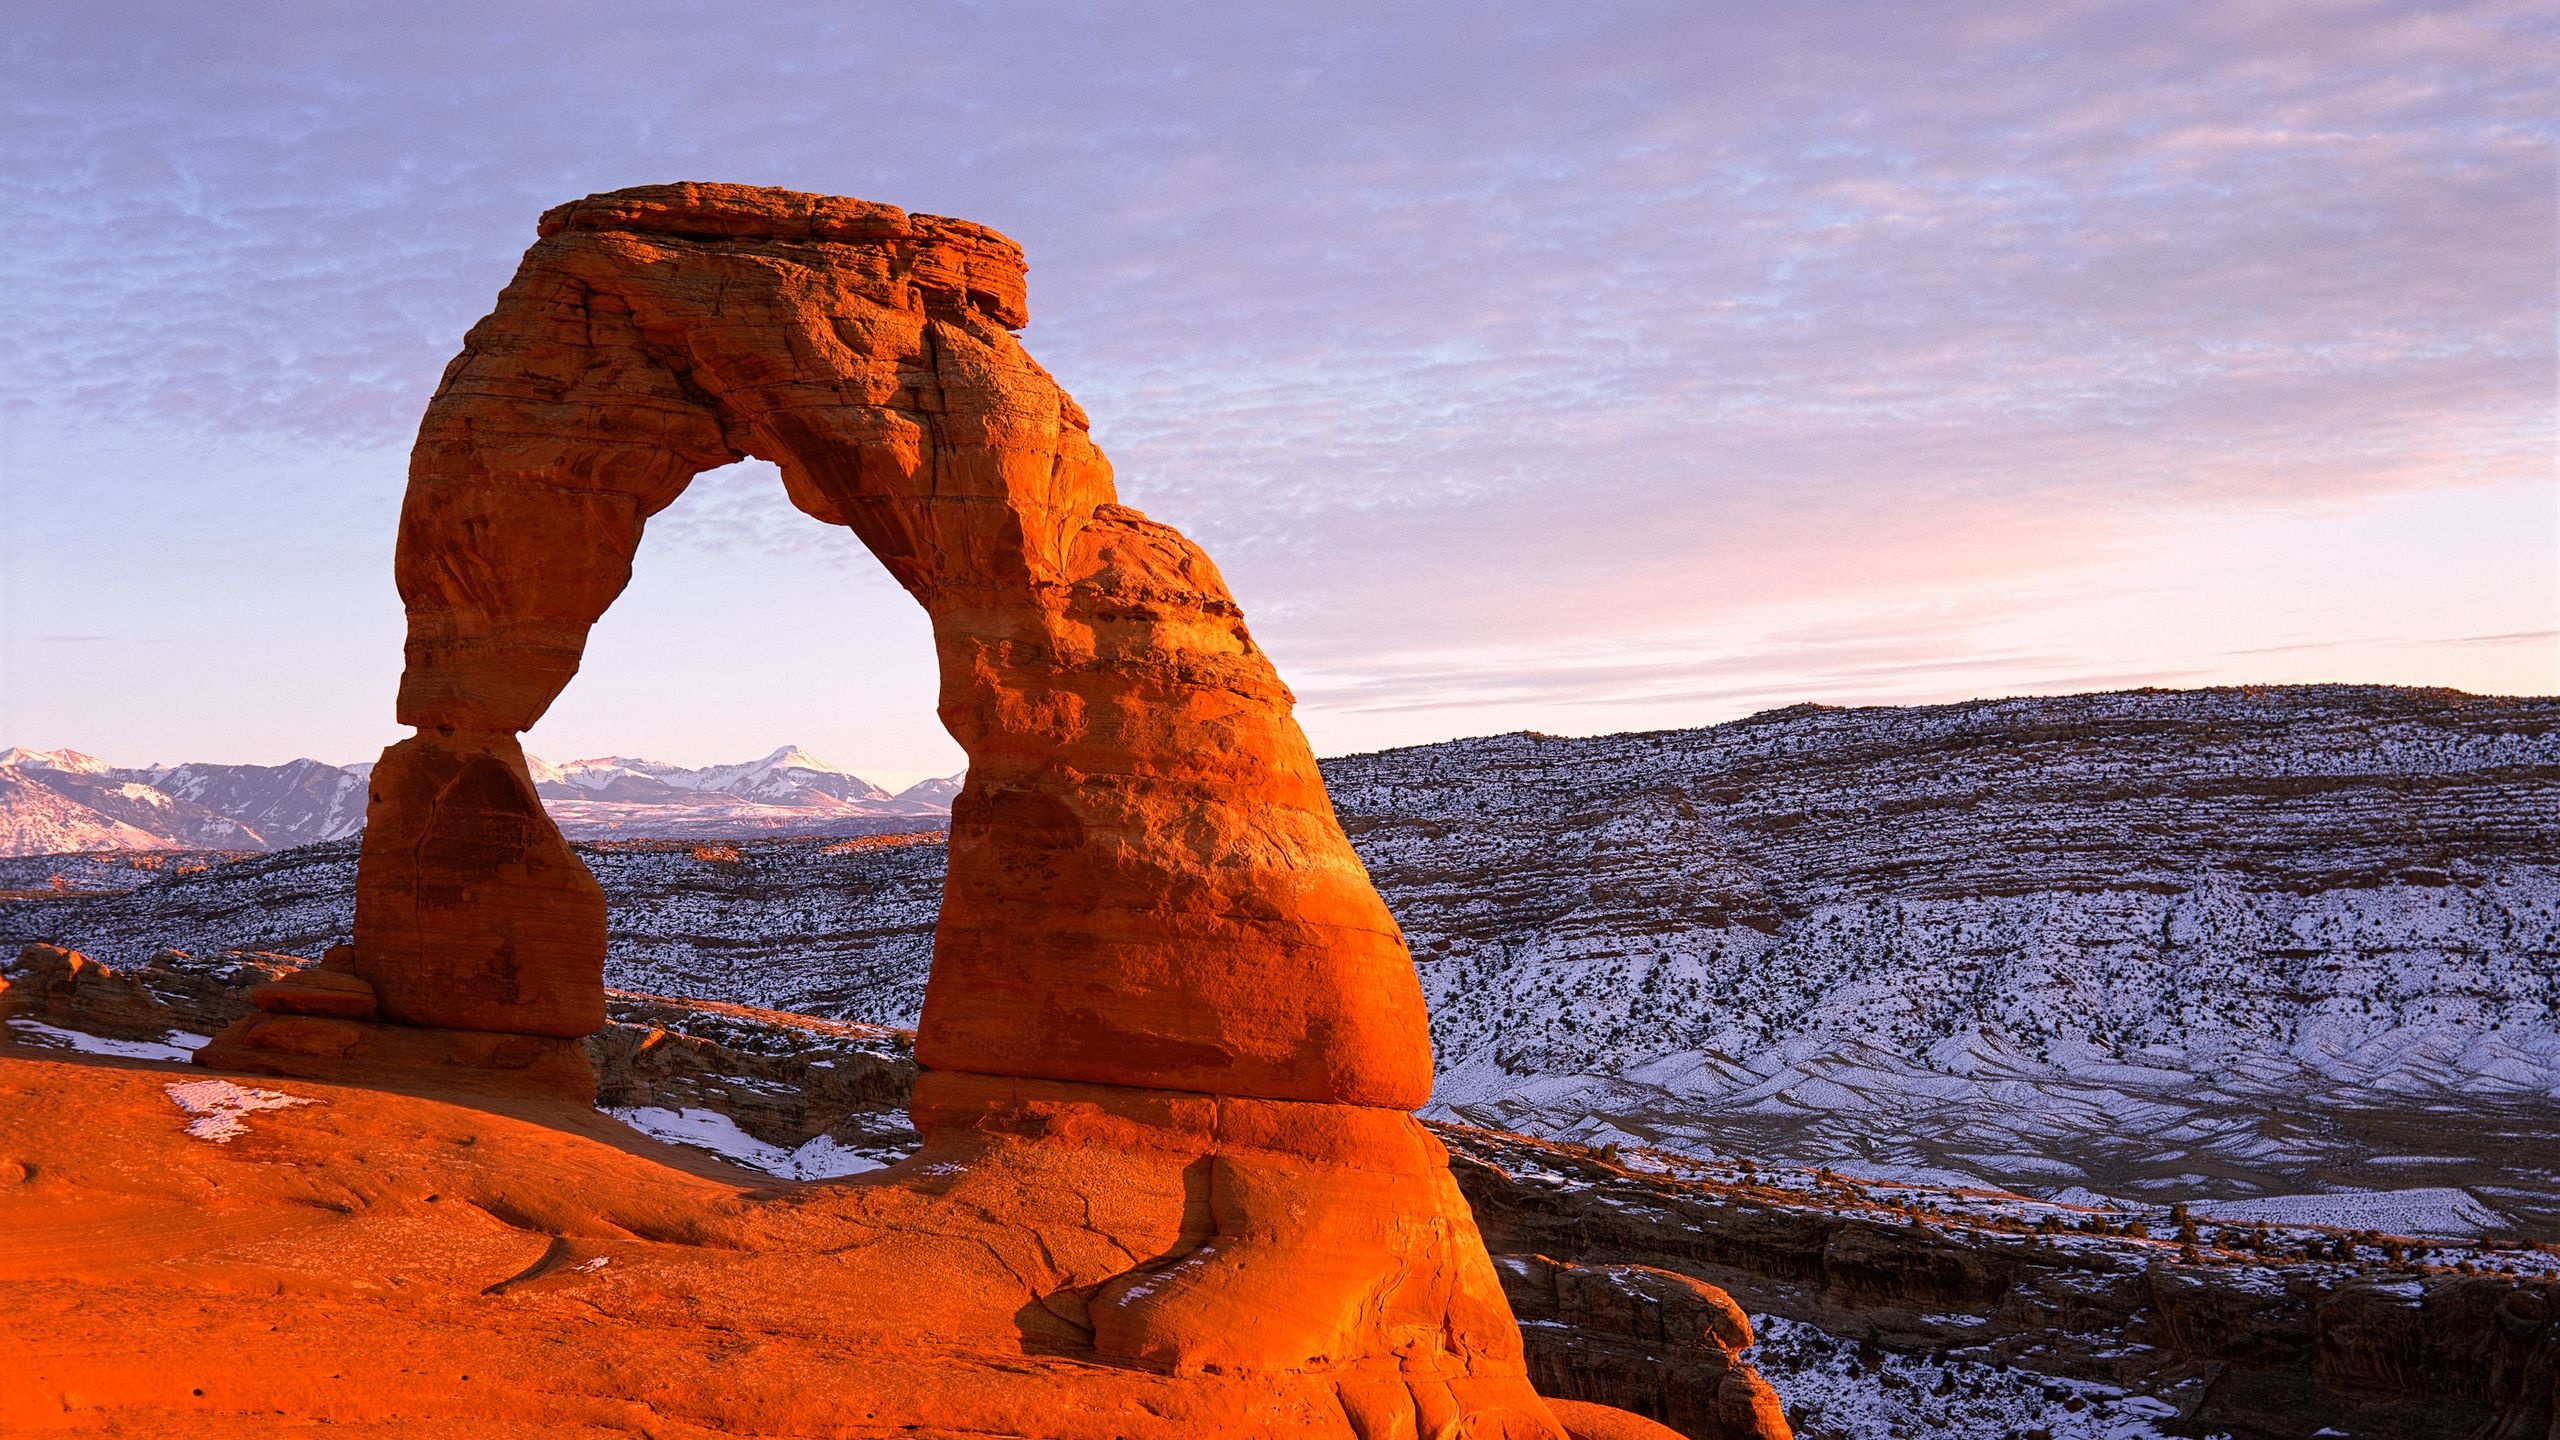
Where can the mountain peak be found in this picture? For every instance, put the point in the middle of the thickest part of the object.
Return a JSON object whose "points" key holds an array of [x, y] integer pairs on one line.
{"points": [[937, 790], [792, 757], [19, 757]]}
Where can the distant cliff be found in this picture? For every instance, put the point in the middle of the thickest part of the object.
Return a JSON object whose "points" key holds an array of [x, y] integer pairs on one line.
{"points": [[2215, 943]]}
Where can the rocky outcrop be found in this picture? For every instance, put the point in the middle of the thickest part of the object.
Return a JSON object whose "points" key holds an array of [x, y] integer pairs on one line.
{"points": [[1170, 1038], [785, 1080], [169, 992], [1653, 1342], [64, 987], [2241, 1341]]}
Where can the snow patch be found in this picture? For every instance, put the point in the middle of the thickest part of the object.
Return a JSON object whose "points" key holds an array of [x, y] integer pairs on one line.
{"points": [[218, 1106], [1827, 1386], [178, 1045], [2430, 1210], [819, 1159]]}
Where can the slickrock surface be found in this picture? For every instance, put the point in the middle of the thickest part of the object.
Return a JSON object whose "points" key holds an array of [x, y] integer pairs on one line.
{"points": [[1879, 1306], [799, 1097], [1170, 1037], [395, 1265]]}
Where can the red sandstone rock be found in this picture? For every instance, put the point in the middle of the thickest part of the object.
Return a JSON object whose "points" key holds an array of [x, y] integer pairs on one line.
{"points": [[368, 1251], [1309, 1235], [1147, 884], [407, 1057], [1644, 1334], [64, 987], [1583, 1420], [316, 991], [471, 912], [1170, 1030]]}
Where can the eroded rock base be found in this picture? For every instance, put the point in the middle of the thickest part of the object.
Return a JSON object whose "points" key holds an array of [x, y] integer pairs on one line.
{"points": [[1249, 1236], [1059, 1261], [403, 1057]]}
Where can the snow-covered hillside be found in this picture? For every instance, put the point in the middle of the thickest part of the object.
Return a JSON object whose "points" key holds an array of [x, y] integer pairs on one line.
{"points": [[2212, 943], [828, 927]]}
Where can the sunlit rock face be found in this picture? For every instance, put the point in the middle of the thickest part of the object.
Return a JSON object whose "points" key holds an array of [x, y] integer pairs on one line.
{"points": [[1147, 884], [1170, 1034]]}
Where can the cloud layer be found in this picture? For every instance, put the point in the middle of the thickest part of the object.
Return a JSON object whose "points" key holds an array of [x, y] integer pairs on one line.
{"points": [[1463, 335]]}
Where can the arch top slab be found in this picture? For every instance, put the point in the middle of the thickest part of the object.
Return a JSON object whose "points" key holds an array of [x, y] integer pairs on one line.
{"points": [[1147, 884], [965, 262]]}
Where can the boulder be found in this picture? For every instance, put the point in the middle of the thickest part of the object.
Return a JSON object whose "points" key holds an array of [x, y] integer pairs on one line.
{"points": [[66, 988], [1652, 1342], [316, 991]]}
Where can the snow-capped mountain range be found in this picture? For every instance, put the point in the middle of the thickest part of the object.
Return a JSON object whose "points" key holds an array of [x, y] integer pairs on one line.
{"points": [[62, 801]]}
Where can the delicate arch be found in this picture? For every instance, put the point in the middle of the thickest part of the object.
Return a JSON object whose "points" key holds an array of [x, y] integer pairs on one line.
{"points": [[1147, 885]]}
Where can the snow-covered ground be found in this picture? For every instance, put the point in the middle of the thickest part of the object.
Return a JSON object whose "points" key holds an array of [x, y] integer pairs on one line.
{"points": [[2225, 946], [2211, 945], [2433, 1210], [1838, 1389], [821, 1158], [176, 1045]]}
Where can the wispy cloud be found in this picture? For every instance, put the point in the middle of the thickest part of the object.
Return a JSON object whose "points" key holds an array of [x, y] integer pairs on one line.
{"points": [[1467, 325]]}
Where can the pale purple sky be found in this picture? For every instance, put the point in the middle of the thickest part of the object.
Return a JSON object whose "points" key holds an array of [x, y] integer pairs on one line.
{"points": [[1574, 366]]}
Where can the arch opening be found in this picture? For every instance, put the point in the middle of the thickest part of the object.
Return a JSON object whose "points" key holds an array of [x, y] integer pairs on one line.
{"points": [[746, 627]]}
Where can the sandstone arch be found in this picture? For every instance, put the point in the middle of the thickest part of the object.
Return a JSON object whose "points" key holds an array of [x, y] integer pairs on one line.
{"points": [[1170, 1031], [1147, 885]]}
